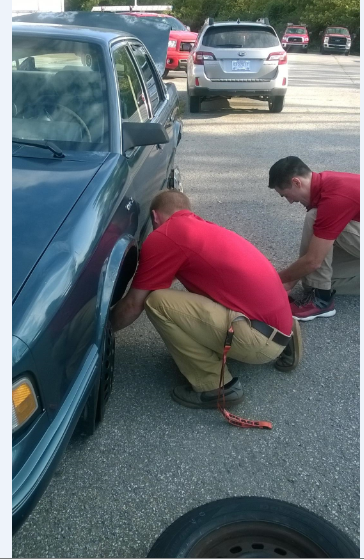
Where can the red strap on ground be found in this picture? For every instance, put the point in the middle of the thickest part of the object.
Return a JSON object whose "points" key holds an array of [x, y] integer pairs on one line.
{"points": [[231, 418]]}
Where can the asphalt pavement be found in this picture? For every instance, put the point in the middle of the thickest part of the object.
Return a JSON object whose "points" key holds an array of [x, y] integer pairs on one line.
{"points": [[152, 460]]}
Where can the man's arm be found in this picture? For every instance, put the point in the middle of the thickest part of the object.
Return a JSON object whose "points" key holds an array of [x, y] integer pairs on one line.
{"points": [[127, 310], [311, 261]]}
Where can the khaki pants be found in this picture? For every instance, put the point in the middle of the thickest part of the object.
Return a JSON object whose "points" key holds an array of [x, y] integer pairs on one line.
{"points": [[194, 328], [340, 270]]}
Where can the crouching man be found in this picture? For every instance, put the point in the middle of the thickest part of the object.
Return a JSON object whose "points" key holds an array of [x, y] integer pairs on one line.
{"points": [[330, 248], [228, 280]]}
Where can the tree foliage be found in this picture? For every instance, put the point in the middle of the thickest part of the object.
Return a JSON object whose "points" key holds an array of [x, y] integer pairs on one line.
{"points": [[317, 14]]}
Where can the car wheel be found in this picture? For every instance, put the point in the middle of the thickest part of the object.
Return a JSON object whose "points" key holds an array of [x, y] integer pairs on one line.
{"points": [[276, 104], [194, 103], [165, 73], [347, 53], [251, 527], [94, 409], [322, 51]]}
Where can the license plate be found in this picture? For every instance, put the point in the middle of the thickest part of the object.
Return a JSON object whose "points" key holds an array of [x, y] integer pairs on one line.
{"points": [[237, 65]]}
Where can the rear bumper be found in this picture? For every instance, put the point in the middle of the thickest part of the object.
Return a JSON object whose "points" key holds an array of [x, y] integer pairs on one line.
{"points": [[205, 92]]}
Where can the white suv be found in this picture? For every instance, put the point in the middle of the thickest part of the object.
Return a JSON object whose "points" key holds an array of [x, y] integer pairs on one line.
{"points": [[237, 59]]}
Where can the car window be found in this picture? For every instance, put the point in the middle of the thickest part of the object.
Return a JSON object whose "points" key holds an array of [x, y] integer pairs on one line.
{"points": [[296, 30], [337, 31], [150, 78], [239, 37], [59, 93], [132, 100]]}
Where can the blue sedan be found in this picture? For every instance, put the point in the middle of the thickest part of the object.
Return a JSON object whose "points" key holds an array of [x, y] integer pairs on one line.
{"points": [[95, 132]]}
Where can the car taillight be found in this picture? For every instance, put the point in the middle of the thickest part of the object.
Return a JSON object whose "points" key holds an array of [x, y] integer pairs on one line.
{"points": [[280, 56], [199, 57]]}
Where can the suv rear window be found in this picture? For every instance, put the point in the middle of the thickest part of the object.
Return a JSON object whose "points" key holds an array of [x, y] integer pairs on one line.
{"points": [[229, 37]]}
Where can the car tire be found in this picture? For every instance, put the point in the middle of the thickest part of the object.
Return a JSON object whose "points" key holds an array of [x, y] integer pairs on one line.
{"points": [[194, 103], [94, 409], [165, 73], [347, 53], [276, 104], [322, 51], [252, 527]]}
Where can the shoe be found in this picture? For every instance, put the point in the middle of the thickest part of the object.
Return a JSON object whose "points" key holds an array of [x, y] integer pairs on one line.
{"points": [[187, 396], [311, 306], [292, 354]]}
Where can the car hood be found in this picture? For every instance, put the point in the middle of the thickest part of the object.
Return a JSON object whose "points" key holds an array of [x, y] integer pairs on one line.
{"points": [[44, 192], [154, 35]]}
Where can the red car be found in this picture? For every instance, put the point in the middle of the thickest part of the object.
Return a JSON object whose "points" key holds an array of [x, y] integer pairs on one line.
{"points": [[336, 39], [296, 36], [181, 41]]}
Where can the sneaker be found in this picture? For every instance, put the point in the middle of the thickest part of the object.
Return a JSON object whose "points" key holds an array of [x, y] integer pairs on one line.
{"points": [[292, 354], [187, 396], [310, 306]]}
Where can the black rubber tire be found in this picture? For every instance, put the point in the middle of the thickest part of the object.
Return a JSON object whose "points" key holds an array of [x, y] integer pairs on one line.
{"points": [[194, 103], [107, 371], [94, 410], [347, 53], [276, 104], [322, 50], [204, 532], [165, 74]]}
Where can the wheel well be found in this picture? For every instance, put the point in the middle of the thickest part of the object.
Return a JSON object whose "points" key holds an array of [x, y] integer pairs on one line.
{"points": [[125, 274]]}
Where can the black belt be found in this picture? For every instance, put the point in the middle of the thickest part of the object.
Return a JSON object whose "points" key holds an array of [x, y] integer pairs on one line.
{"points": [[265, 329]]}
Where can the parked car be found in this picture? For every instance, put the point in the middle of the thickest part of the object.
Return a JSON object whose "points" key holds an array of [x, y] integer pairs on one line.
{"points": [[237, 59], [181, 40], [296, 37], [95, 132], [336, 40]]}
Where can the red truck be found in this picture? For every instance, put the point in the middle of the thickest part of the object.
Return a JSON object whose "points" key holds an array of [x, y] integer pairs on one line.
{"points": [[296, 36], [336, 39], [181, 40]]}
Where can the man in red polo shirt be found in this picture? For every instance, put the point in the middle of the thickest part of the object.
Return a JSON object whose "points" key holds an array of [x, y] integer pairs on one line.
{"points": [[330, 248], [228, 280]]}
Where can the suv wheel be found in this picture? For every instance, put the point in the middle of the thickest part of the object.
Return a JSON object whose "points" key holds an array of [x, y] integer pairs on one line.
{"points": [[194, 104], [276, 103], [347, 53]]}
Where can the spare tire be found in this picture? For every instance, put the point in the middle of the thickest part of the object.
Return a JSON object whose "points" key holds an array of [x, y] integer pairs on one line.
{"points": [[252, 527]]}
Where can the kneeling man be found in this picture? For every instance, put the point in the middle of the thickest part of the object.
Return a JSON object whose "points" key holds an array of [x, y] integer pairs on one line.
{"points": [[330, 248], [228, 280]]}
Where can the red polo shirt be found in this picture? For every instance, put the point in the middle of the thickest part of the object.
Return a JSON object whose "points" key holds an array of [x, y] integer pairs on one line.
{"points": [[337, 199], [217, 263]]}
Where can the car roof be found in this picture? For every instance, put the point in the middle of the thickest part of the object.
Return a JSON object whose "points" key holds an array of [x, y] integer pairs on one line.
{"points": [[250, 23], [74, 32]]}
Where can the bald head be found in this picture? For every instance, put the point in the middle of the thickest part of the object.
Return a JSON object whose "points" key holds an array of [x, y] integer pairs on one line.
{"points": [[170, 202], [167, 203]]}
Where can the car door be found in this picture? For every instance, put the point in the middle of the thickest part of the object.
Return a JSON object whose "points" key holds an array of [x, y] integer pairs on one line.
{"points": [[145, 163]]}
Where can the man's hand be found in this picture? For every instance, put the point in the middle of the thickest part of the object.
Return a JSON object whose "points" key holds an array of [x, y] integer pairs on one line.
{"points": [[127, 310], [288, 286], [311, 261]]}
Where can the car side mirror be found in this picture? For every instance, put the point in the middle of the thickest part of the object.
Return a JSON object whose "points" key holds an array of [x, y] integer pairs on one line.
{"points": [[142, 134], [321, 32], [353, 36], [310, 33], [188, 28]]}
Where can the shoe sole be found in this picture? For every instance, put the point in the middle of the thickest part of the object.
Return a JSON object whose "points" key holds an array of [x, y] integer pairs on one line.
{"points": [[298, 349], [312, 317], [207, 405]]}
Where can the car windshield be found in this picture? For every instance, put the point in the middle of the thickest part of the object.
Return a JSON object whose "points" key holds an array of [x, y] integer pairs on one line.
{"points": [[296, 30], [59, 93], [172, 22], [337, 30], [228, 37]]}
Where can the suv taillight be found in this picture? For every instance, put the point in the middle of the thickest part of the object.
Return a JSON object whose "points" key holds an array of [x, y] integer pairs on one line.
{"points": [[199, 57], [280, 56]]}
